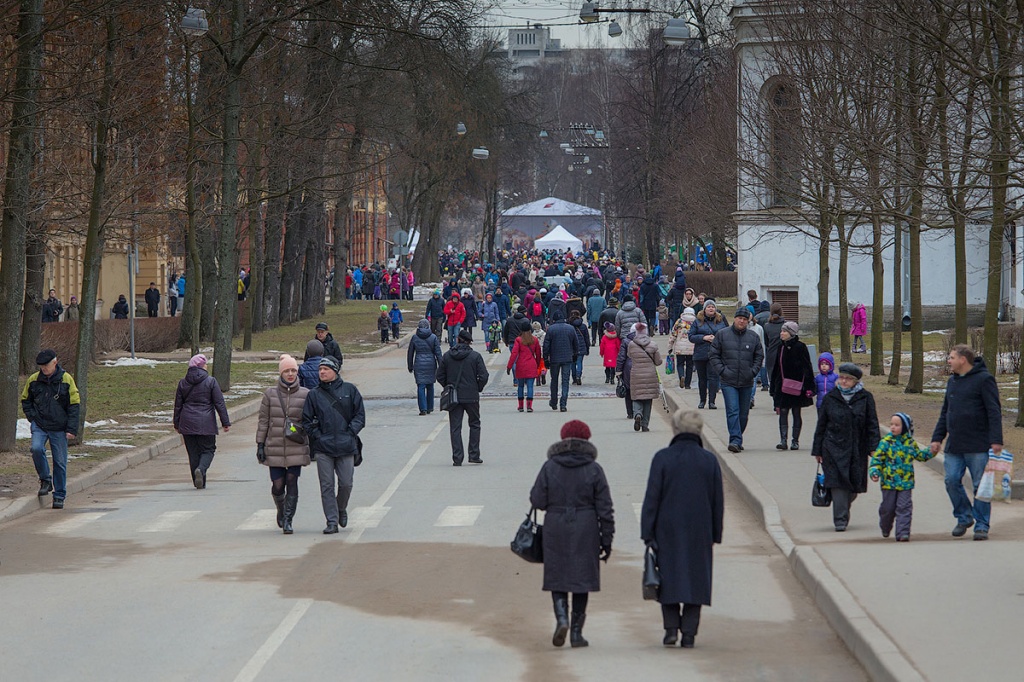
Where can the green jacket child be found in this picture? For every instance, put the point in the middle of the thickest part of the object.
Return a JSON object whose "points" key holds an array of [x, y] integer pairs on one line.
{"points": [[893, 461]]}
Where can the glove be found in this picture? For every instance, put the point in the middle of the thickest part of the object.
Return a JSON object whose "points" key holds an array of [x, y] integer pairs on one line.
{"points": [[508, 370], [652, 544], [606, 551], [261, 452]]}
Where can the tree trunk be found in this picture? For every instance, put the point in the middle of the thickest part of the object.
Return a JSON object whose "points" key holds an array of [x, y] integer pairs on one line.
{"points": [[844, 308], [339, 226], [824, 326], [915, 384], [897, 303], [32, 312], [877, 294], [291, 265]]}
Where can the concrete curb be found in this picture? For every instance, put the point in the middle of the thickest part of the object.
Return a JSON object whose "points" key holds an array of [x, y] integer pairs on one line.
{"points": [[24, 505], [870, 645]]}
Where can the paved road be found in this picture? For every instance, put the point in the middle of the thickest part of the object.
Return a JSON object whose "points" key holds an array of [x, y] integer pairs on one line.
{"points": [[145, 577]]}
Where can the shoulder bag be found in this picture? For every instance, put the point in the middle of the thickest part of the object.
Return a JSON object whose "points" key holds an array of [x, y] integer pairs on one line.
{"points": [[348, 418], [528, 543], [450, 394], [292, 431], [789, 386]]}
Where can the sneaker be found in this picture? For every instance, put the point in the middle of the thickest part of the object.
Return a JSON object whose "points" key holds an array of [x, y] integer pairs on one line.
{"points": [[563, 408], [734, 447], [198, 479], [638, 422], [645, 429], [700, 405], [45, 488], [423, 413], [59, 504], [712, 406], [906, 538], [961, 529], [978, 534]]}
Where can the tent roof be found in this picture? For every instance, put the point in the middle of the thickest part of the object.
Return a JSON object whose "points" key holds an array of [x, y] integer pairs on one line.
{"points": [[559, 237], [550, 206]]}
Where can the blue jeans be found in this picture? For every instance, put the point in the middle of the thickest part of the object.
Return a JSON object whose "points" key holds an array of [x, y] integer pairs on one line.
{"points": [[955, 465], [59, 450], [763, 377], [453, 334], [425, 397], [526, 384], [737, 406], [562, 369], [577, 368]]}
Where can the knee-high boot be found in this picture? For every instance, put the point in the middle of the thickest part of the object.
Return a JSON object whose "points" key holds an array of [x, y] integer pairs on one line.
{"points": [[576, 630], [290, 503], [561, 621], [783, 435], [796, 438], [279, 503]]}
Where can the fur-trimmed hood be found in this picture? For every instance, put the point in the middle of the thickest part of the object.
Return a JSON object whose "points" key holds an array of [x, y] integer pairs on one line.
{"points": [[718, 317], [573, 452]]}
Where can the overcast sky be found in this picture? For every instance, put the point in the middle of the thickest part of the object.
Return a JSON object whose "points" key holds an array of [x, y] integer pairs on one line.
{"points": [[522, 12]]}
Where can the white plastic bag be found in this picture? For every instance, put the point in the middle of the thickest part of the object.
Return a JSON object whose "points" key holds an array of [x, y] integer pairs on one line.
{"points": [[986, 487]]}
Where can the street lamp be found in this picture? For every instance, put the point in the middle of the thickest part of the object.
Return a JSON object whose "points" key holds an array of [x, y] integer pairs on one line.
{"points": [[676, 32], [614, 30], [460, 129], [588, 13], [194, 22]]}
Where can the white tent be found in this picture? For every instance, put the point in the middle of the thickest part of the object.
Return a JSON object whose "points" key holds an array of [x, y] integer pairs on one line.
{"points": [[559, 238]]}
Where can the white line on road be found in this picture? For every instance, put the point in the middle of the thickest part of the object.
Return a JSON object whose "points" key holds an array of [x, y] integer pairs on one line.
{"points": [[367, 517], [74, 523], [168, 521], [274, 641], [458, 516], [261, 519]]}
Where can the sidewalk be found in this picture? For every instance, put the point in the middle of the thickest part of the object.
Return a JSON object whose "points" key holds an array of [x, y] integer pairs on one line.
{"points": [[936, 608]]}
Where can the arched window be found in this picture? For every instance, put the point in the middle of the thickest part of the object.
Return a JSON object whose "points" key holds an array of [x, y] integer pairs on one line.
{"points": [[784, 172]]}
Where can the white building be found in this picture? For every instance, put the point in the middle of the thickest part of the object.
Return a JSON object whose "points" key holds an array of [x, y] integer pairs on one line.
{"points": [[528, 47]]}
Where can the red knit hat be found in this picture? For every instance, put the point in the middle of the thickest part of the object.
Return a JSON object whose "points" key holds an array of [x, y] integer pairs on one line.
{"points": [[576, 429]]}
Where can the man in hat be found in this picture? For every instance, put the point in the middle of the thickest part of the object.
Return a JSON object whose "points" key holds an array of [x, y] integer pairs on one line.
{"points": [[152, 300], [736, 357], [333, 416], [331, 347], [50, 402], [464, 368]]}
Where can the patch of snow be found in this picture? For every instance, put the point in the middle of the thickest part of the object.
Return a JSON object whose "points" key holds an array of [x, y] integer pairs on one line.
{"points": [[102, 422], [108, 443], [936, 331], [137, 362]]}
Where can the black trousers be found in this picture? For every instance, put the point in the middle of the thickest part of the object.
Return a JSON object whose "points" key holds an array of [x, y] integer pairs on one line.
{"points": [[471, 410], [595, 333], [200, 451], [687, 622]]}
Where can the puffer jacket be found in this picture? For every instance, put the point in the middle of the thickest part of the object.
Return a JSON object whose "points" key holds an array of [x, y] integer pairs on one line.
{"points": [[643, 374], [454, 311], [582, 334], [825, 382], [736, 357], [309, 372], [197, 403], [424, 356], [280, 451], [52, 402], [627, 316], [525, 358], [679, 338], [609, 348], [332, 432], [561, 344], [595, 306], [893, 461], [702, 327], [489, 312], [650, 294]]}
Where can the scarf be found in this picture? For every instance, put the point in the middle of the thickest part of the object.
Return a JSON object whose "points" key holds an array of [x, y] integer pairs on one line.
{"points": [[848, 393]]}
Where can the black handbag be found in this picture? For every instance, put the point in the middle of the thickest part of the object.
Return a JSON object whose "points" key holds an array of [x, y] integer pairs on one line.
{"points": [[820, 495], [450, 393], [652, 578], [620, 387], [528, 544]]}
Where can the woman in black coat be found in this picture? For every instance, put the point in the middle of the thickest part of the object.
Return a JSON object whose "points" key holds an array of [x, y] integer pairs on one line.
{"points": [[846, 435], [793, 364], [197, 404], [424, 357], [681, 520], [579, 524]]}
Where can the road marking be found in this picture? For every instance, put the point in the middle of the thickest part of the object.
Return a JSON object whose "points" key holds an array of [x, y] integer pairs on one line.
{"points": [[367, 517], [274, 641], [637, 508], [385, 496], [73, 523], [261, 519], [168, 521], [458, 516]]}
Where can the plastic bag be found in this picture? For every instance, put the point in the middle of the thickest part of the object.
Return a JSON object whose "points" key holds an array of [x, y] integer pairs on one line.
{"points": [[986, 487], [670, 364], [1000, 466], [820, 495]]}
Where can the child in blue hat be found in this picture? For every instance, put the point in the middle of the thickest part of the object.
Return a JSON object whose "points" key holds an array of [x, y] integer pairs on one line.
{"points": [[893, 465]]}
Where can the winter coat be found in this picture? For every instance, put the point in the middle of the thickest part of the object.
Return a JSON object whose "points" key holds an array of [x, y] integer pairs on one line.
{"points": [[627, 316], [120, 310], [582, 335], [971, 414], [859, 321], [309, 372], [623, 363], [455, 312], [846, 435], [152, 298], [525, 358], [333, 432], [643, 375], [609, 347], [435, 308], [650, 295], [679, 338], [682, 514], [396, 316], [674, 301], [573, 492], [474, 372], [280, 451], [607, 315], [595, 306], [424, 356], [331, 349], [73, 313], [893, 461], [663, 312], [51, 402], [823, 383], [561, 344], [383, 322], [489, 312], [736, 357], [701, 328], [469, 303], [52, 310], [514, 326], [479, 289], [504, 304], [795, 363], [197, 403], [772, 340]]}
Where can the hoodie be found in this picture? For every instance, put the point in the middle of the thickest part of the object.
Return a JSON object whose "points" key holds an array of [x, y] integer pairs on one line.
{"points": [[825, 382], [971, 415], [859, 321]]}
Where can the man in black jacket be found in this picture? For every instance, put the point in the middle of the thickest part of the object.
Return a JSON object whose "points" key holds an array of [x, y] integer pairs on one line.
{"points": [[152, 300], [561, 346], [435, 313], [514, 326], [51, 405], [973, 419], [736, 357], [331, 347], [332, 417], [464, 368]]}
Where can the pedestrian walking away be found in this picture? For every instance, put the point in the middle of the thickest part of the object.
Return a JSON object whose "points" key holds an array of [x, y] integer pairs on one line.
{"points": [[792, 384], [582, 346], [681, 521], [50, 402], [736, 358], [644, 384], [464, 368], [972, 418], [579, 525], [846, 435], [561, 347], [197, 404], [423, 359], [892, 464], [609, 349], [281, 443], [524, 360], [332, 417], [309, 371]]}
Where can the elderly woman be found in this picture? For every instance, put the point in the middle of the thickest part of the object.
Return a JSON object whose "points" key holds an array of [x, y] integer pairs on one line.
{"points": [[197, 403], [644, 384], [280, 442], [579, 524], [792, 383], [681, 520], [846, 435]]}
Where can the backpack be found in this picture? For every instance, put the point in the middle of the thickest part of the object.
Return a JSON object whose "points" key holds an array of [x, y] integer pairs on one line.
{"points": [[538, 310]]}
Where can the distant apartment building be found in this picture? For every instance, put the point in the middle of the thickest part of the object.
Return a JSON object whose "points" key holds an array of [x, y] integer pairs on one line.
{"points": [[527, 47]]}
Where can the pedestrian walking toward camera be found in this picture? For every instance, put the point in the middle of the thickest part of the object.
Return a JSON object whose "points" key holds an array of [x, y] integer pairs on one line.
{"points": [[73, 312], [707, 323], [644, 385], [328, 346], [583, 346], [424, 357], [681, 520], [332, 417], [50, 402], [893, 464], [973, 419], [152, 300], [455, 315], [858, 326], [826, 378], [396, 320], [846, 435], [579, 525], [464, 368], [736, 358], [679, 344], [197, 404], [281, 444], [172, 296], [52, 307], [384, 324], [792, 384]]}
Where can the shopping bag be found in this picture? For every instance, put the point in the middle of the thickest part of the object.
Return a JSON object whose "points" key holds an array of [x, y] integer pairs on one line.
{"points": [[670, 364], [528, 543], [652, 578], [820, 495], [986, 486], [1000, 470]]}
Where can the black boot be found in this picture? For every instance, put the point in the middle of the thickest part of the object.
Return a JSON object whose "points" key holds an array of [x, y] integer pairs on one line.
{"points": [[561, 621], [796, 439], [576, 630], [279, 502], [290, 503], [783, 435]]}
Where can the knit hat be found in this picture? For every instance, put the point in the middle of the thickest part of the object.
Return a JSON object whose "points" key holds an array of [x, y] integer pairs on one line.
{"points": [[852, 370], [908, 423], [423, 324], [688, 311], [46, 356], [437, 292], [330, 361], [708, 302], [687, 421], [575, 429], [466, 336], [608, 326], [640, 328], [286, 362], [314, 349], [321, 326], [741, 312], [198, 360], [792, 327]]}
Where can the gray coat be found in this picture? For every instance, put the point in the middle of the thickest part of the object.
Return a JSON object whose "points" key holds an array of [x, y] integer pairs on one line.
{"points": [[682, 514], [643, 373], [627, 316], [424, 356], [572, 490], [736, 357]]}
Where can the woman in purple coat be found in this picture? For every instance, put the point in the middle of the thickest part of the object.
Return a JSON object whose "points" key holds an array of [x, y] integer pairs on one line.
{"points": [[197, 404]]}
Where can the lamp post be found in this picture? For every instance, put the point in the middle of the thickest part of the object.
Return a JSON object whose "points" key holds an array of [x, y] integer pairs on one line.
{"points": [[675, 33], [193, 25]]}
